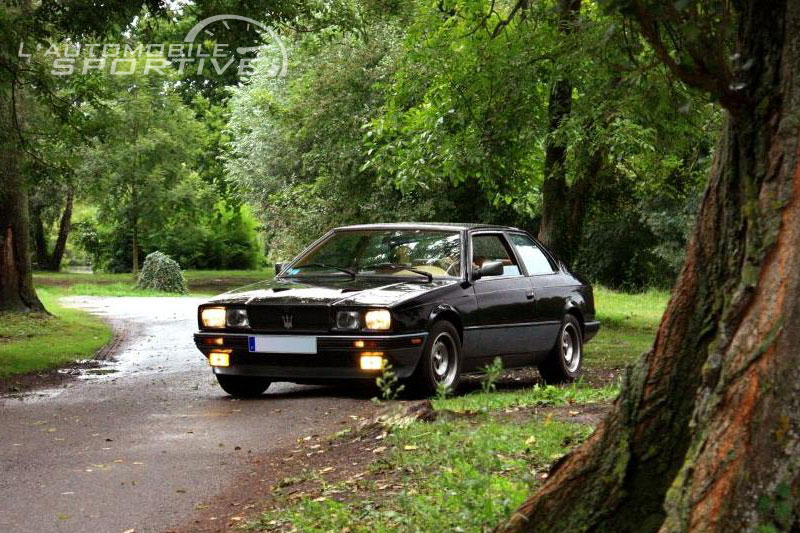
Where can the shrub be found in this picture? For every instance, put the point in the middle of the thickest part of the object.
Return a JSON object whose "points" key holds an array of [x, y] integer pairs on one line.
{"points": [[161, 273]]}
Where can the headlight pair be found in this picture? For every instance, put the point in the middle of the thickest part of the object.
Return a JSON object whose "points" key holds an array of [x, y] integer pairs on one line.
{"points": [[375, 319], [219, 317]]}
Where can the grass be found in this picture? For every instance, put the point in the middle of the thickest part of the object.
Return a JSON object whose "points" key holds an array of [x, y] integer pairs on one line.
{"points": [[629, 323], [34, 342], [534, 396], [469, 472], [463, 475]]}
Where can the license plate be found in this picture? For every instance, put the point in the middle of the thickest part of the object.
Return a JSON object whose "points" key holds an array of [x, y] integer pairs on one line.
{"points": [[302, 344]]}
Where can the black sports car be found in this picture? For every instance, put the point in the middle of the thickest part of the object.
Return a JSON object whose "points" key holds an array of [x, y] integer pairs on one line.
{"points": [[432, 300]]}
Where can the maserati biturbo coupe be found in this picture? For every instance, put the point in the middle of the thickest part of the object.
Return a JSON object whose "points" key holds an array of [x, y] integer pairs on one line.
{"points": [[434, 301]]}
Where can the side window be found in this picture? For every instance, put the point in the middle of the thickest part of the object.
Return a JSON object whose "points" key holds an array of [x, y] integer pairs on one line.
{"points": [[535, 260], [488, 248]]}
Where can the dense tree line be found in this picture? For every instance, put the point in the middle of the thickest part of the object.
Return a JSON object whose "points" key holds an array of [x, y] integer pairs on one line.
{"points": [[426, 112]]}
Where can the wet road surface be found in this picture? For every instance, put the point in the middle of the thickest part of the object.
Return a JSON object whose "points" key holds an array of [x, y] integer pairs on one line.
{"points": [[144, 440]]}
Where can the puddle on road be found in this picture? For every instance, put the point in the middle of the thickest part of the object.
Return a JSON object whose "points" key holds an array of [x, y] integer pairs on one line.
{"points": [[154, 337]]}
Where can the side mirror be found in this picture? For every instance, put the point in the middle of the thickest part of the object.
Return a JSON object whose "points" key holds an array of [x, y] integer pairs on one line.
{"points": [[491, 268], [279, 267]]}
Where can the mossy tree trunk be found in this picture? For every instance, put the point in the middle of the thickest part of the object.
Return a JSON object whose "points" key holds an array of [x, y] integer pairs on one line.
{"points": [[704, 436]]}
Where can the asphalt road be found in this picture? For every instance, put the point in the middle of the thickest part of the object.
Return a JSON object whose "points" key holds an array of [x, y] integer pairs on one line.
{"points": [[143, 441]]}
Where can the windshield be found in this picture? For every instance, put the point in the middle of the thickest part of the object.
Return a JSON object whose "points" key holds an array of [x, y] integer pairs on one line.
{"points": [[395, 252]]}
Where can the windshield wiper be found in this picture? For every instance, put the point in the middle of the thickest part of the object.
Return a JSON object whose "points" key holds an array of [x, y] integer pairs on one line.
{"points": [[398, 266], [333, 267]]}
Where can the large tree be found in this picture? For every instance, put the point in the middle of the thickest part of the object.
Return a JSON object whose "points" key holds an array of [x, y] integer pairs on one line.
{"points": [[704, 435], [24, 23]]}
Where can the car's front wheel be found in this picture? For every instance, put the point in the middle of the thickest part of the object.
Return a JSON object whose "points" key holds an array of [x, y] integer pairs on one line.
{"points": [[243, 386], [440, 364], [563, 364]]}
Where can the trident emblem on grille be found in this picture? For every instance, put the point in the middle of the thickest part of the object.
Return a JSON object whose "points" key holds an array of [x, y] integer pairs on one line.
{"points": [[287, 320]]}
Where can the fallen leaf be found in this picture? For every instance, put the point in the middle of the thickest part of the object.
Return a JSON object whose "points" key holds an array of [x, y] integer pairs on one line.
{"points": [[530, 440], [410, 447], [379, 449]]}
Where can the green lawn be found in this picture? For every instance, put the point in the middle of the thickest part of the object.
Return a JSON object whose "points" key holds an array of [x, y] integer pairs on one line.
{"points": [[201, 282], [467, 472], [32, 342], [629, 323]]}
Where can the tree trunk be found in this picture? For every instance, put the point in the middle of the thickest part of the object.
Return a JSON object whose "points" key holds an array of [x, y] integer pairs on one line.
{"points": [[558, 230], [63, 233], [704, 435], [16, 279], [39, 237]]}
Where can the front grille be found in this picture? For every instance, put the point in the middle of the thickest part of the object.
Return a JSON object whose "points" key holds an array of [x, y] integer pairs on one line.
{"points": [[304, 319]]}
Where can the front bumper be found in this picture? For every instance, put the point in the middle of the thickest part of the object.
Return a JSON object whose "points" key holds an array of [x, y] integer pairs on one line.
{"points": [[337, 356]]}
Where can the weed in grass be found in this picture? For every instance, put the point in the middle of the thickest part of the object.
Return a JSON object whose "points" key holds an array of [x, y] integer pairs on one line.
{"points": [[388, 383], [491, 373]]}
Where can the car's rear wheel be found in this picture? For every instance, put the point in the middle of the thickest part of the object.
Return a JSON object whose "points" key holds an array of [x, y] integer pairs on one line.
{"points": [[563, 364], [440, 363], [243, 386]]}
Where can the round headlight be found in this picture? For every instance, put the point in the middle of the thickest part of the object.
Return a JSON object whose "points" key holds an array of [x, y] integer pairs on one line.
{"points": [[237, 318], [348, 320]]}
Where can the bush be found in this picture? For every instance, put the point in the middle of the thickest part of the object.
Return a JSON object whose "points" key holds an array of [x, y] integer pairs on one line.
{"points": [[161, 273]]}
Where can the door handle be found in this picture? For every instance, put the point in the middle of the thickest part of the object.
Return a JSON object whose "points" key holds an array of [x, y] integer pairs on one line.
{"points": [[529, 294]]}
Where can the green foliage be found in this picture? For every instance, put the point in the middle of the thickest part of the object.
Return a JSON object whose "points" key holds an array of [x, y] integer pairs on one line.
{"points": [[548, 395], [161, 273], [421, 113], [388, 383], [141, 166], [491, 373]]}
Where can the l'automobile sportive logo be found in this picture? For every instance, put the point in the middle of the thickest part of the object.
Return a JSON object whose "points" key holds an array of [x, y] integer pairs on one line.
{"points": [[192, 56]]}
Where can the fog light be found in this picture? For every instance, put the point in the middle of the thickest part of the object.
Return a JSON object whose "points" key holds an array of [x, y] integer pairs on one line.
{"points": [[372, 361], [219, 341], [219, 359]]}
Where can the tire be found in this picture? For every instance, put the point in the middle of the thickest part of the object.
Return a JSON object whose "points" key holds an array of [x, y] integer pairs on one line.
{"points": [[440, 361], [243, 386], [564, 362]]}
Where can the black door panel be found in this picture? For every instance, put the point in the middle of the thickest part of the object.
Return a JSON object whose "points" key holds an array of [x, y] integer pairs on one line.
{"points": [[507, 316]]}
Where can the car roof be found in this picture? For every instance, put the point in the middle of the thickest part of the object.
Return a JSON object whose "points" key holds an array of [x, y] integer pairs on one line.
{"points": [[444, 226]]}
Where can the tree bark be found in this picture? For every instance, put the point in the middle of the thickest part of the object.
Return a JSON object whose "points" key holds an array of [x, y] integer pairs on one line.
{"points": [[39, 237], [704, 436], [558, 229], [16, 278], [63, 233]]}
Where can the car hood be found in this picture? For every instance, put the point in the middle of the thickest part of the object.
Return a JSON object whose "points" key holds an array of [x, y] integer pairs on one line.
{"points": [[335, 291]]}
